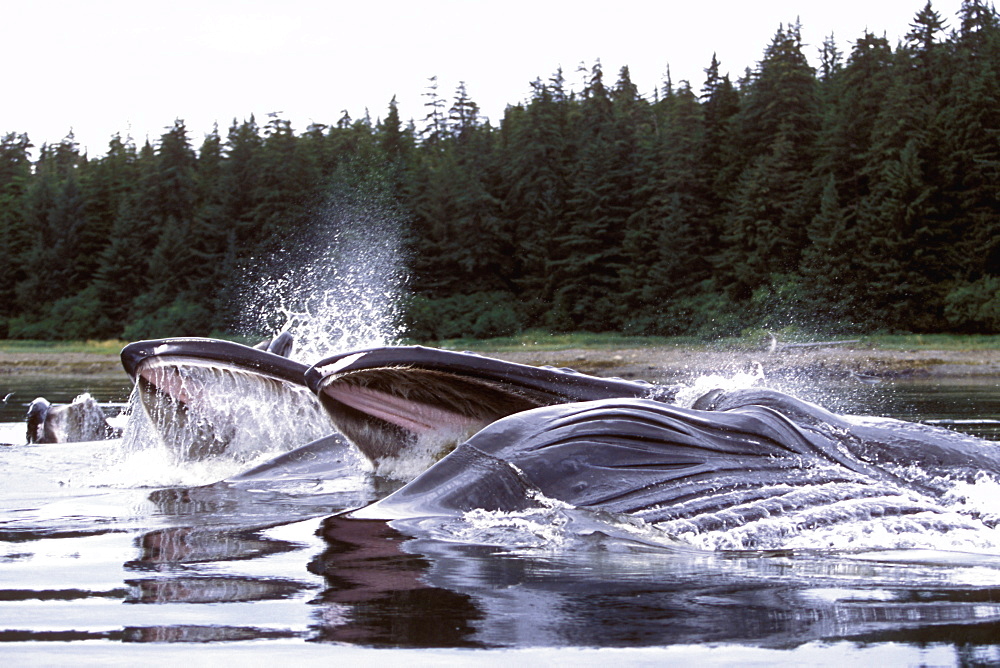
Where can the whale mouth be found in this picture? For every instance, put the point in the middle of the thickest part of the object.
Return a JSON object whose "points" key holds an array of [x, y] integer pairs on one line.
{"points": [[390, 400], [391, 410], [192, 407], [206, 398]]}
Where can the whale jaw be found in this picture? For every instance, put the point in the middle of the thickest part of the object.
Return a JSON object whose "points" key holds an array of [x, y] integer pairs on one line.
{"points": [[387, 411]]}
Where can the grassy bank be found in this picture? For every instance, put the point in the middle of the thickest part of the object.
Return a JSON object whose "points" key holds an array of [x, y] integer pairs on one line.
{"points": [[542, 341], [109, 347], [757, 340], [650, 358]]}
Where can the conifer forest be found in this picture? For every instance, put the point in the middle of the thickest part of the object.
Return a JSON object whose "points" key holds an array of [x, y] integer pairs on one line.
{"points": [[859, 194]]}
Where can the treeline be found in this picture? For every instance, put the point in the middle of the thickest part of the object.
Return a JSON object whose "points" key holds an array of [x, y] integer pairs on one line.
{"points": [[861, 195]]}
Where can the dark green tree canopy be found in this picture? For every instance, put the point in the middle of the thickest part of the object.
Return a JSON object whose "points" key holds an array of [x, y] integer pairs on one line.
{"points": [[847, 190]]}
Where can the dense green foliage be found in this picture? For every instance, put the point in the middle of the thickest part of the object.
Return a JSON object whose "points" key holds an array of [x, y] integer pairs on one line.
{"points": [[859, 197]]}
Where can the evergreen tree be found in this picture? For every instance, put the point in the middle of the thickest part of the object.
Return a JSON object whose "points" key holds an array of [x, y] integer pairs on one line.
{"points": [[970, 123], [668, 240], [718, 156], [391, 137], [905, 218], [781, 99], [240, 178], [830, 58], [830, 264], [395, 150], [54, 214], [461, 243], [463, 117], [901, 252], [122, 273], [284, 188], [168, 206], [208, 237], [923, 39], [15, 176], [864, 194], [175, 189], [436, 127], [537, 158], [106, 183], [855, 97], [773, 199], [588, 258]]}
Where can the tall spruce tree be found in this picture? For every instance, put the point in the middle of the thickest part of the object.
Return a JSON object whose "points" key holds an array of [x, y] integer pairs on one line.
{"points": [[970, 121], [773, 200], [904, 221], [15, 177], [121, 277], [587, 259], [537, 158], [54, 214], [669, 237], [167, 306]]}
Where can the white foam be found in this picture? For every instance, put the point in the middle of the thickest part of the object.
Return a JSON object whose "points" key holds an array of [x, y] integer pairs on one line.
{"points": [[978, 498], [852, 526], [158, 467]]}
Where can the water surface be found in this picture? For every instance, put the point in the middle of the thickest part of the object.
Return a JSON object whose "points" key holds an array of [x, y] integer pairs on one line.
{"points": [[105, 557]]}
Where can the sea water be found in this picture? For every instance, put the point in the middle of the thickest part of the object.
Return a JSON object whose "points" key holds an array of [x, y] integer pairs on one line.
{"points": [[106, 557]]}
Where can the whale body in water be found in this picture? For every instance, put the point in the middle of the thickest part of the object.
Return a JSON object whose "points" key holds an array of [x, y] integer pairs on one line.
{"points": [[765, 456], [80, 420], [507, 437]]}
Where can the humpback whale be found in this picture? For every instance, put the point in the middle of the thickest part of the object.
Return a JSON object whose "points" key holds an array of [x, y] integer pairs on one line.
{"points": [[83, 420], [509, 437], [80, 420], [207, 397], [383, 399], [767, 465]]}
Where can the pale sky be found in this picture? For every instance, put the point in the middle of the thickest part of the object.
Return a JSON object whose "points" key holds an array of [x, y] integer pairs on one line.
{"points": [[104, 66]]}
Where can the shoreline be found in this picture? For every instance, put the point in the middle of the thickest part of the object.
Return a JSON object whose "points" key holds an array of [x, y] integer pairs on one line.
{"points": [[652, 363], [60, 364], [667, 364]]}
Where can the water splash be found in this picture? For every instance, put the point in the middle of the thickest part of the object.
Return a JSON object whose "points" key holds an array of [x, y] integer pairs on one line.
{"points": [[738, 380], [977, 497], [885, 522], [215, 421], [340, 289], [337, 288]]}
